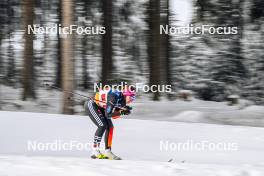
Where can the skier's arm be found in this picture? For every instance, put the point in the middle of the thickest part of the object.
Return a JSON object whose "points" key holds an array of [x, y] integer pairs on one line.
{"points": [[117, 112], [124, 109], [110, 105]]}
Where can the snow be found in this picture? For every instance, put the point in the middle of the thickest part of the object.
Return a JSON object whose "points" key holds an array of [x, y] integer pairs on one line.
{"points": [[234, 96], [200, 111], [191, 116], [43, 166], [138, 142], [182, 10], [244, 113]]}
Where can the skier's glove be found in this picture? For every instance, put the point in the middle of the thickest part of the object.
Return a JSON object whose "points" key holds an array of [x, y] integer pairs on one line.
{"points": [[128, 108], [125, 112]]}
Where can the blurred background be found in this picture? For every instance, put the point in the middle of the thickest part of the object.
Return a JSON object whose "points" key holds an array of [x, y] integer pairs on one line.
{"points": [[203, 68]]}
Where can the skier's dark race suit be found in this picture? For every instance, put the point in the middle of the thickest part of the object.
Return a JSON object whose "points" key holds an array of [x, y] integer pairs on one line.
{"points": [[101, 116]]}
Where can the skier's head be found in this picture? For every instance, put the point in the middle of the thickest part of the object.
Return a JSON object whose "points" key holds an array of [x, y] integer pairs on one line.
{"points": [[129, 93]]}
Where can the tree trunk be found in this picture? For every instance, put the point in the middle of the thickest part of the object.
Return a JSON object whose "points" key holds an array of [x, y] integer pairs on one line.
{"points": [[58, 63], [84, 64], [28, 64], [1, 70], [67, 58], [107, 65], [168, 50], [165, 47], [10, 77], [237, 43], [85, 50], [154, 45]]}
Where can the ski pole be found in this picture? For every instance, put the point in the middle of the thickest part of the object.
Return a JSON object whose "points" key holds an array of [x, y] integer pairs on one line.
{"points": [[74, 98], [77, 101], [58, 88], [73, 93]]}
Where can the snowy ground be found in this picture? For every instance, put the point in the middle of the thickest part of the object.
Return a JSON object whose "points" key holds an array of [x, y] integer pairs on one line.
{"points": [[201, 112], [137, 141], [49, 101], [43, 166]]}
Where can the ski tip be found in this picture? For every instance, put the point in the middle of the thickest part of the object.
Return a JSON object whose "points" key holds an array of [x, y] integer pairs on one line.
{"points": [[93, 157], [101, 157], [170, 160]]}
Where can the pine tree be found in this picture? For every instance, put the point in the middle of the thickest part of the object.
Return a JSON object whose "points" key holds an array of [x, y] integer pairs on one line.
{"points": [[229, 68], [254, 52]]}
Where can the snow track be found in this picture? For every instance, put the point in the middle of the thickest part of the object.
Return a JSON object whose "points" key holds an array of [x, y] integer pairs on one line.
{"points": [[62, 166], [138, 142]]}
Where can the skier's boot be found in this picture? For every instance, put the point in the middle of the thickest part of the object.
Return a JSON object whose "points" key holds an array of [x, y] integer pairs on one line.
{"points": [[96, 154], [109, 154]]}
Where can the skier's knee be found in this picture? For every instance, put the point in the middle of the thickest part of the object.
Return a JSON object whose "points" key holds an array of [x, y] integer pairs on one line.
{"points": [[101, 128], [110, 126]]}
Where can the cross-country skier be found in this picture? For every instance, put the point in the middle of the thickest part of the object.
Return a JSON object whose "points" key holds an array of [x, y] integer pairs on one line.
{"points": [[106, 105]]}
